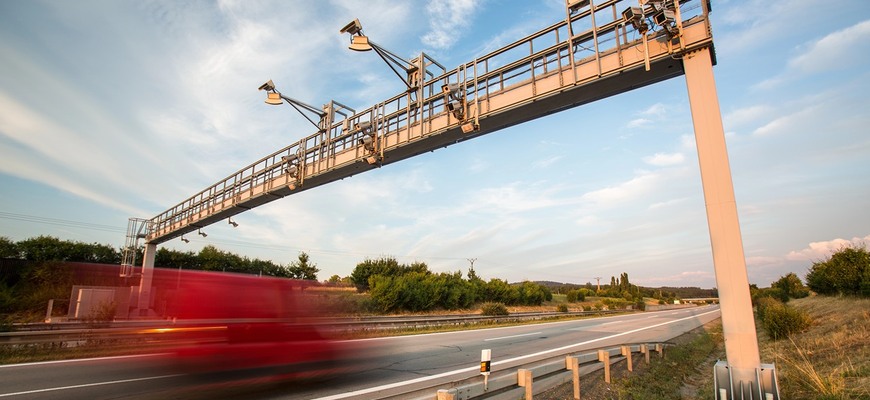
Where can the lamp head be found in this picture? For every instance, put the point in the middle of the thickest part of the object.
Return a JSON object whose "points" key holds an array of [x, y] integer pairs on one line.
{"points": [[274, 99], [360, 43]]}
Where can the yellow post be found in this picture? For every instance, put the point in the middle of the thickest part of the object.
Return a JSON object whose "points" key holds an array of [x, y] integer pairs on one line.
{"points": [[738, 324], [626, 351], [524, 379], [604, 356]]}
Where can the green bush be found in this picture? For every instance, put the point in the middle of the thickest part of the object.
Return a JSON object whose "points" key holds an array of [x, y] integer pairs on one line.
{"points": [[562, 308], [574, 296], [780, 320], [844, 273], [493, 309]]}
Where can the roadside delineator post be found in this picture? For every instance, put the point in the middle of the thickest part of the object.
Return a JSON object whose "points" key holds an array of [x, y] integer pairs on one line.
{"points": [[524, 379], [660, 350], [485, 366], [572, 364], [604, 356]]}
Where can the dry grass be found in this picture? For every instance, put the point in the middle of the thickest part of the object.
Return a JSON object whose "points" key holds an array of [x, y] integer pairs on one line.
{"points": [[832, 359]]}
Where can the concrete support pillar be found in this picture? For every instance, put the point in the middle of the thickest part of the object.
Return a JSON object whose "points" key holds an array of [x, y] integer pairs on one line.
{"points": [[738, 324], [147, 276]]}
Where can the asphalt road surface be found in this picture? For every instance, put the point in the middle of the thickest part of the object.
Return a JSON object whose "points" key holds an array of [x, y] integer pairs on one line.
{"points": [[390, 366]]}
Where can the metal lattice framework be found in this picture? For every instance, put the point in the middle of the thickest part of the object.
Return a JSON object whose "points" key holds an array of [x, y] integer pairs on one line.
{"points": [[592, 54]]}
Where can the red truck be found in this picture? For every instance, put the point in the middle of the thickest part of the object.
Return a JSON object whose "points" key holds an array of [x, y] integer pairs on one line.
{"points": [[236, 322]]}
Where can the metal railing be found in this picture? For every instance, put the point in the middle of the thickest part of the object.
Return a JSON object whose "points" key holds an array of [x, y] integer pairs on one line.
{"points": [[589, 45]]}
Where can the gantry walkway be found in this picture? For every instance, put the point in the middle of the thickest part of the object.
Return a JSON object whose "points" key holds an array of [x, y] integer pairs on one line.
{"points": [[592, 54]]}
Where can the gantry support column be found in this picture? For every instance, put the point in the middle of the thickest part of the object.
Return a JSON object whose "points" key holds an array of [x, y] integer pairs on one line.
{"points": [[145, 284], [738, 324]]}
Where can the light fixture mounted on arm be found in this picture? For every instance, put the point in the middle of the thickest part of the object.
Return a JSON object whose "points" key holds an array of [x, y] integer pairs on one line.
{"points": [[326, 115], [361, 42]]}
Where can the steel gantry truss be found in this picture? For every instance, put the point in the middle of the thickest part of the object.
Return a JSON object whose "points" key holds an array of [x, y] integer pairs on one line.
{"points": [[600, 49]]}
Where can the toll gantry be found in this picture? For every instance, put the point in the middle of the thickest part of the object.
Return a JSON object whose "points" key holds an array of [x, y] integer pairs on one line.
{"points": [[600, 49]]}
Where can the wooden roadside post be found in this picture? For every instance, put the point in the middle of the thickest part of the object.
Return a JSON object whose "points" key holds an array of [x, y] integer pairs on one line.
{"points": [[626, 351], [644, 348], [604, 356], [446, 394], [660, 350], [524, 379], [572, 364]]}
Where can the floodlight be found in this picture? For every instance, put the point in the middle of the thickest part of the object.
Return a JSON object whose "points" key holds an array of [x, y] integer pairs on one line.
{"points": [[360, 43], [201, 233], [233, 223], [274, 98], [185, 240]]}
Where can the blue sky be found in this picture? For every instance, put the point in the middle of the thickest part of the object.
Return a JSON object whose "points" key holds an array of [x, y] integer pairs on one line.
{"points": [[118, 109]]}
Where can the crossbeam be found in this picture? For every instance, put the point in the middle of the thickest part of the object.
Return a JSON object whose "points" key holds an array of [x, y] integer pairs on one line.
{"points": [[555, 69]]}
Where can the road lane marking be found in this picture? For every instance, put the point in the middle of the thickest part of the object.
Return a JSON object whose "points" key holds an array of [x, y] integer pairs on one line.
{"points": [[476, 368], [88, 385], [82, 360], [514, 336]]}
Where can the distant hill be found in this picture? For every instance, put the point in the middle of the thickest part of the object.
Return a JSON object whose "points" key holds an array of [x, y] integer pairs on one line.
{"points": [[679, 292]]}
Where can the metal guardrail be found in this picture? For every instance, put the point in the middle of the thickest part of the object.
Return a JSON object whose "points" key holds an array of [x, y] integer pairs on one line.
{"points": [[157, 329], [523, 381]]}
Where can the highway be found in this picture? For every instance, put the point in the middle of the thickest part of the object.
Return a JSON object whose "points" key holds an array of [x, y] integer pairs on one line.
{"points": [[399, 363]]}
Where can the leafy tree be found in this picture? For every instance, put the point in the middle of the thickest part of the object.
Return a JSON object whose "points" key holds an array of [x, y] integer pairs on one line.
{"points": [[385, 266], [791, 286], [8, 248], [303, 269], [844, 273]]}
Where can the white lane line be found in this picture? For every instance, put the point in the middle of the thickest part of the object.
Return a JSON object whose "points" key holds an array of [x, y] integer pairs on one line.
{"points": [[514, 336], [583, 328], [87, 385], [82, 360], [476, 368]]}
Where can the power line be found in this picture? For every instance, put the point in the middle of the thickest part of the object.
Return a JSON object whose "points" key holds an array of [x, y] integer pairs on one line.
{"points": [[60, 222]]}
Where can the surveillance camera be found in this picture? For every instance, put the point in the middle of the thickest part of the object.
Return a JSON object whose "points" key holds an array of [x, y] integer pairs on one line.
{"points": [[268, 85], [352, 28]]}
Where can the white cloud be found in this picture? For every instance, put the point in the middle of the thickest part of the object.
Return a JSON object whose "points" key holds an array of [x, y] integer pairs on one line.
{"points": [[663, 159], [841, 49], [447, 20], [790, 123], [820, 250], [746, 115], [633, 189], [541, 164], [657, 110], [639, 123]]}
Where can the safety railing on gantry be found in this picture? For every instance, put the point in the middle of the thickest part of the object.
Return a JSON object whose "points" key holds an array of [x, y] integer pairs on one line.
{"points": [[561, 64]]}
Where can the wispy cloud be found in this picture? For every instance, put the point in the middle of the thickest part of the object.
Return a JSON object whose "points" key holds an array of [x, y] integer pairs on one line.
{"points": [[447, 20], [841, 49], [665, 159]]}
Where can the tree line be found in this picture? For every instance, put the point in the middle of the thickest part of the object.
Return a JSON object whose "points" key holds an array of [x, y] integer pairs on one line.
{"points": [[413, 287], [210, 258]]}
